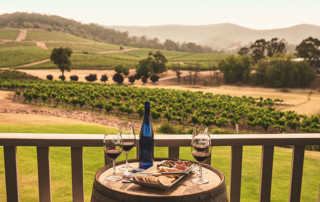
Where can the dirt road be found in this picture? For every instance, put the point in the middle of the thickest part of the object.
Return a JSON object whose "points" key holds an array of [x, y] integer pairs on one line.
{"points": [[22, 35]]}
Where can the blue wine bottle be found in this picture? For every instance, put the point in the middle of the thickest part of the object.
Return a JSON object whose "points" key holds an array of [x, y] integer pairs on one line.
{"points": [[146, 142]]}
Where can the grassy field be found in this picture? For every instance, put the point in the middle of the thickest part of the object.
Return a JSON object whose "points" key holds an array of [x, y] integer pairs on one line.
{"points": [[89, 61], [41, 35], [21, 55], [93, 160], [9, 34], [91, 48], [17, 44], [143, 53]]}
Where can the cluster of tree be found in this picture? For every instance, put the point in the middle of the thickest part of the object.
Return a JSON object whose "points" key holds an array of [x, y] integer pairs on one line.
{"points": [[277, 71], [92, 31], [121, 72], [308, 49], [283, 72], [151, 67], [261, 48]]}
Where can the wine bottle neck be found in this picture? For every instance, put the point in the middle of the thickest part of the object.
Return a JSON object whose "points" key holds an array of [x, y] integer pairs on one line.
{"points": [[146, 114]]}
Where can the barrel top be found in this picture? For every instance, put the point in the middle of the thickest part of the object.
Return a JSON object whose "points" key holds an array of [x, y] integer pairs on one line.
{"points": [[182, 188]]}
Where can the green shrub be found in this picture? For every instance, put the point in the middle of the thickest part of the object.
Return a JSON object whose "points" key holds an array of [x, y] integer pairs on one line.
{"points": [[169, 128], [281, 73], [236, 68]]}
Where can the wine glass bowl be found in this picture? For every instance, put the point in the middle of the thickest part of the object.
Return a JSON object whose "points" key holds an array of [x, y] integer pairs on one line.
{"points": [[112, 145], [129, 140], [201, 150]]}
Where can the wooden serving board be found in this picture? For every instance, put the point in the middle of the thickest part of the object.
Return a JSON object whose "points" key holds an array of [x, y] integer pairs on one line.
{"points": [[153, 169]]}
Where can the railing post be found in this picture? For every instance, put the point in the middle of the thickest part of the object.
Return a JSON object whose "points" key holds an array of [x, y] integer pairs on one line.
{"points": [[11, 169], [296, 173], [235, 176], [266, 173], [44, 174], [174, 152], [77, 174]]}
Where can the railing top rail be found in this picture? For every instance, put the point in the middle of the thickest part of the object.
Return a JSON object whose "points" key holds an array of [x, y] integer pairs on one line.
{"points": [[96, 140]]}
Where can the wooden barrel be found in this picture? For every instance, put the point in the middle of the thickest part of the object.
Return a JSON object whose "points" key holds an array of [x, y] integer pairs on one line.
{"points": [[183, 191]]}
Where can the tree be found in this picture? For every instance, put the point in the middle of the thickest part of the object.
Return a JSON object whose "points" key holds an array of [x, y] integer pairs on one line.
{"points": [[275, 46], [171, 45], [310, 50], [236, 68], [155, 64], [144, 79], [244, 51], [258, 49], [49, 77], [104, 78], [176, 67], [125, 71], [154, 78], [118, 69], [62, 77], [74, 78], [91, 77], [61, 57], [118, 78], [132, 79]]}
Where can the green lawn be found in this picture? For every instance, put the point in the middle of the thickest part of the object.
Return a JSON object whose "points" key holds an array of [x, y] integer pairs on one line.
{"points": [[21, 55], [93, 160], [9, 34], [42, 35]]}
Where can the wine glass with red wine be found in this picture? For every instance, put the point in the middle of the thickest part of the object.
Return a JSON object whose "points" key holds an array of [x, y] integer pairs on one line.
{"points": [[112, 145], [201, 150], [129, 140]]}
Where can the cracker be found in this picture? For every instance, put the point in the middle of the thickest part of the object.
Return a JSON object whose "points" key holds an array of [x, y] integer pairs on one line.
{"points": [[164, 181]]}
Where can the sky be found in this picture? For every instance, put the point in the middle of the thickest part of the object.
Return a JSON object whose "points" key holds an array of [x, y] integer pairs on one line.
{"points": [[256, 14]]}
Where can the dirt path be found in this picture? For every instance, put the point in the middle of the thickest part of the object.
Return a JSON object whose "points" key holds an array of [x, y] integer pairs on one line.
{"points": [[41, 44], [22, 35], [119, 51], [8, 106], [29, 64]]}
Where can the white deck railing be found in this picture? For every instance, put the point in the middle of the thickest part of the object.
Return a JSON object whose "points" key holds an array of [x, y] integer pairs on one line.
{"points": [[173, 142]]}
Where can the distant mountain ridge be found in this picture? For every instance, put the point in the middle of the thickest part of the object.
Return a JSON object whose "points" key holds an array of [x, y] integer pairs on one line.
{"points": [[221, 36]]}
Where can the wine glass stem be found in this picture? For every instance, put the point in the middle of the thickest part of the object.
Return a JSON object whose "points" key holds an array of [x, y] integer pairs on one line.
{"points": [[200, 166], [114, 167], [127, 159]]}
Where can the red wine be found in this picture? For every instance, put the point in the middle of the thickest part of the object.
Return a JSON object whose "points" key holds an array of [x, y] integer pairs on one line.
{"points": [[113, 153], [127, 146], [200, 148], [200, 156]]}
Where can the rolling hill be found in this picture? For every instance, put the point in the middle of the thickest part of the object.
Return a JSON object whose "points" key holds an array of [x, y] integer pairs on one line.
{"points": [[31, 48], [222, 36], [22, 20]]}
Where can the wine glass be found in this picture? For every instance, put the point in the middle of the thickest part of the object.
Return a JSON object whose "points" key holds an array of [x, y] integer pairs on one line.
{"points": [[112, 145], [129, 140], [195, 132], [201, 150]]}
